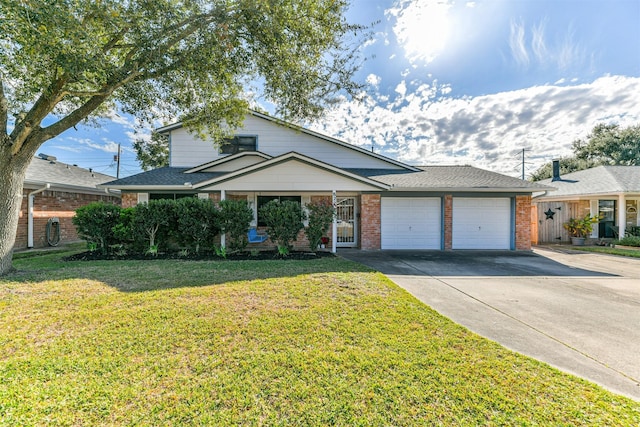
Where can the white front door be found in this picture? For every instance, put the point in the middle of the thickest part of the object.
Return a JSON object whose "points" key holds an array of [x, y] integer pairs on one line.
{"points": [[481, 223], [410, 223], [346, 214]]}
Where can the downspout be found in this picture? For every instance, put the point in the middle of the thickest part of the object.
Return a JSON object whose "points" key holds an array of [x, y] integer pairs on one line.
{"points": [[30, 215]]}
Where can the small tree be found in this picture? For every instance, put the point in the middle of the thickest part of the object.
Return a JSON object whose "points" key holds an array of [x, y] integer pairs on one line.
{"points": [[320, 217], [284, 222], [94, 223], [235, 219], [153, 222]]}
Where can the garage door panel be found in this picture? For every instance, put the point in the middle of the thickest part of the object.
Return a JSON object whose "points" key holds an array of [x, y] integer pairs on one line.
{"points": [[481, 223], [410, 223]]}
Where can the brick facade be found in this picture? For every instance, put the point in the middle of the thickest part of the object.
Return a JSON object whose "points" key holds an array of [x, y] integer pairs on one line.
{"points": [[448, 222], [523, 223], [50, 204], [129, 200], [370, 221]]}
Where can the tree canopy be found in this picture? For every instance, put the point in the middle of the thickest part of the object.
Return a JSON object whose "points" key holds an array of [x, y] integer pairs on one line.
{"points": [[607, 144], [70, 61]]}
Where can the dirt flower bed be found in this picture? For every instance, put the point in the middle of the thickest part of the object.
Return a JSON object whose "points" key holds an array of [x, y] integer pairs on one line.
{"points": [[203, 256]]}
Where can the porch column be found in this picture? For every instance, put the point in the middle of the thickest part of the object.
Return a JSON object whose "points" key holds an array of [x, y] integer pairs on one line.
{"points": [[223, 239], [622, 215], [334, 225]]}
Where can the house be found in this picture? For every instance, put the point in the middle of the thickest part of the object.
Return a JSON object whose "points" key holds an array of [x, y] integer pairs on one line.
{"points": [[381, 203], [611, 192], [51, 193]]}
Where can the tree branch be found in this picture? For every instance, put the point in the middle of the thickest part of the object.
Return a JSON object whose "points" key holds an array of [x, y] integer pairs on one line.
{"points": [[82, 112], [42, 107]]}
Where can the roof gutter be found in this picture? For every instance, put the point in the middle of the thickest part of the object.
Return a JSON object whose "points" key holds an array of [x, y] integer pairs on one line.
{"points": [[32, 196]]}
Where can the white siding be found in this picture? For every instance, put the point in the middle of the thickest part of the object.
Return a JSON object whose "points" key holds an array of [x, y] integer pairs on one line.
{"points": [[234, 165], [292, 175], [273, 139]]}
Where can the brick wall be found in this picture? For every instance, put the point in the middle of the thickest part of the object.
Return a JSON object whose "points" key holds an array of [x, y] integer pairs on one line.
{"points": [[523, 223], [370, 220], [129, 200], [50, 204], [448, 222]]}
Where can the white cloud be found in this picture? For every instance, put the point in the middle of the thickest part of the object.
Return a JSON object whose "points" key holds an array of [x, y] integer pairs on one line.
{"points": [[423, 127], [82, 144], [565, 54], [373, 80], [517, 44]]}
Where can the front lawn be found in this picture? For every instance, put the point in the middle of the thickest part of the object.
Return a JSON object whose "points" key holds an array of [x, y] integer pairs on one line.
{"points": [[322, 342]]}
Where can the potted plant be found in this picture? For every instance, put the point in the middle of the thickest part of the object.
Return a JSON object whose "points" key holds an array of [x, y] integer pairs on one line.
{"points": [[580, 228]]}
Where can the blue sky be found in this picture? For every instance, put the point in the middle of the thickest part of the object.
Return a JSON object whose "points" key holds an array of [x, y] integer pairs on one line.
{"points": [[455, 82]]}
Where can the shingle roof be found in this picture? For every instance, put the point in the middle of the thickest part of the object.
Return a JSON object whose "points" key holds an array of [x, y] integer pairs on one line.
{"points": [[457, 178], [428, 178], [43, 171], [165, 176], [598, 180]]}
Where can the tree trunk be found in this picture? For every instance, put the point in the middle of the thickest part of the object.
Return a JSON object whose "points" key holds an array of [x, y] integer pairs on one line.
{"points": [[12, 173]]}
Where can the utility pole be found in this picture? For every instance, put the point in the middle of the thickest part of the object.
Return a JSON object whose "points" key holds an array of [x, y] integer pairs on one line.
{"points": [[523, 150], [117, 159]]}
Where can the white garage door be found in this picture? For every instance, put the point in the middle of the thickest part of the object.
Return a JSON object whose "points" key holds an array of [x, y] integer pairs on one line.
{"points": [[410, 223], [481, 223]]}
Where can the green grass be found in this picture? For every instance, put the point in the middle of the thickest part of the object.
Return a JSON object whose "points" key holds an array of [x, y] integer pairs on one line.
{"points": [[609, 250], [323, 342]]}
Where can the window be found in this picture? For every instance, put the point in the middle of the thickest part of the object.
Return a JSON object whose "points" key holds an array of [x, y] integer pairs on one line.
{"points": [[170, 196], [238, 144], [263, 200]]}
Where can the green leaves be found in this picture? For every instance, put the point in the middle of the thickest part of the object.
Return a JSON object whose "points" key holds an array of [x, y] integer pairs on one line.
{"points": [[607, 144], [186, 59]]}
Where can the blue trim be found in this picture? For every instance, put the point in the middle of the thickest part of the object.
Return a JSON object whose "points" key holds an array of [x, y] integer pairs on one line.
{"points": [[442, 224], [512, 243]]}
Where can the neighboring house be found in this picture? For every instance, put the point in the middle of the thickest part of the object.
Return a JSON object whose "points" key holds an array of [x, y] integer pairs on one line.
{"points": [[51, 193], [611, 192], [381, 203]]}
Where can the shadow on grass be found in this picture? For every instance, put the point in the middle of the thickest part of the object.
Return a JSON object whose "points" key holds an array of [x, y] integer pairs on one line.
{"points": [[152, 275]]}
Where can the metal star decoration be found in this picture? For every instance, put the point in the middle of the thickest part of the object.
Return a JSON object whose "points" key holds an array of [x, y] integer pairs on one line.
{"points": [[549, 213]]}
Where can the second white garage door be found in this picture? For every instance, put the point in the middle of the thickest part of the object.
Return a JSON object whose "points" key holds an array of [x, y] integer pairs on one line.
{"points": [[481, 223], [410, 223]]}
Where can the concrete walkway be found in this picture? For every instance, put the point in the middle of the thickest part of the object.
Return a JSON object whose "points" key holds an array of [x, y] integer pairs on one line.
{"points": [[576, 311]]}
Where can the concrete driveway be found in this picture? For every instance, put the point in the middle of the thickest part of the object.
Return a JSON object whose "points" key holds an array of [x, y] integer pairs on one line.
{"points": [[576, 311]]}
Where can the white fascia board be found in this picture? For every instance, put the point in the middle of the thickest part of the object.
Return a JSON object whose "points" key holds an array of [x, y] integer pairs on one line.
{"points": [[286, 157], [98, 189], [169, 128], [228, 159], [147, 188], [590, 196]]}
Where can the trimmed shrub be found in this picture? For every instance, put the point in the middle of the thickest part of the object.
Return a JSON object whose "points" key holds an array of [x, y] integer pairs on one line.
{"points": [[320, 219], [197, 223], [235, 220], [629, 241], [94, 223], [284, 221]]}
